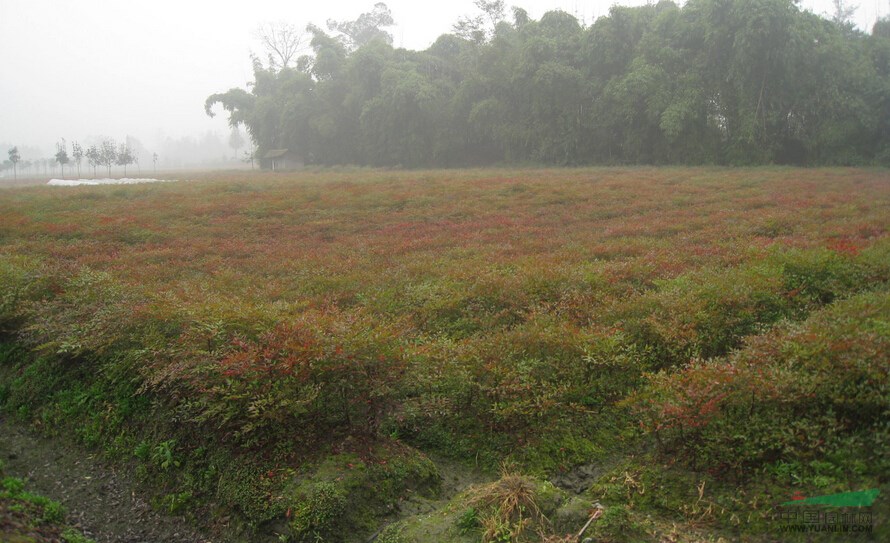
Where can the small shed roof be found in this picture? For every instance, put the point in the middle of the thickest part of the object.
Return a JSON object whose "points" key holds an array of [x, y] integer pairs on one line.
{"points": [[275, 153]]}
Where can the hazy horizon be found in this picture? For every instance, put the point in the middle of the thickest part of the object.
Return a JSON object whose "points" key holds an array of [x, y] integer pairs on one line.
{"points": [[89, 69]]}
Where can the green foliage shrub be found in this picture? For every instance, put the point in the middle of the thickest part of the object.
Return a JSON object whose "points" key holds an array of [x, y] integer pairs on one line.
{"points": [[12, 485], [617, 526], [346, 493], [242, 484], [821, 276], [394, 533], [36, 380], [468, 521], [163, 455], [24, 280], [173, 503], [492, 302], [708, 313], [142, 451], [46, 510], [525, 390], [88, 314], [792, 394], [318, 516], [704, 313]]}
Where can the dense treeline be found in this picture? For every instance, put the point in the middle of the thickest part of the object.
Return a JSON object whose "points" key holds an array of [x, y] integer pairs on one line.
{"points": [[716, 81]]}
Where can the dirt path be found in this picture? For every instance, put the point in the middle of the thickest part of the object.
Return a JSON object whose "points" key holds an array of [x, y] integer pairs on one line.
{"points": [[100, 499]]}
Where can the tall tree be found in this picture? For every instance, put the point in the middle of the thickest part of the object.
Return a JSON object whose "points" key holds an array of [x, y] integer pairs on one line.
{"points": [[236, 140], [881, 28], [94, 157], [249, 156], [14, 157], [124, 157], [61, 155], [108, 154], [366, 28], [77, 154]]}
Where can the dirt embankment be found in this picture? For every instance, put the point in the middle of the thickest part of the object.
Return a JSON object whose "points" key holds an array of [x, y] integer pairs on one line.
{"points": [[101, 500]]}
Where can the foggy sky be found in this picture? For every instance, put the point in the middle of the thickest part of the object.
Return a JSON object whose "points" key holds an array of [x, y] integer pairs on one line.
{"points": [[76, 69]]}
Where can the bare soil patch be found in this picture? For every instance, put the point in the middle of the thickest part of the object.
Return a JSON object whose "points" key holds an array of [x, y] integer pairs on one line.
{"points": [[102, 500]]}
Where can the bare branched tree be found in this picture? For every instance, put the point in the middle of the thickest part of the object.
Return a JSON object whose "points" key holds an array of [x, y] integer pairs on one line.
{"points": [[843, 13], [77, 154], [476, 29], [283, 43]]}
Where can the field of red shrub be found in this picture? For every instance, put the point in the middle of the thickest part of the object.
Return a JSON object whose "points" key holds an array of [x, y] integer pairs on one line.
{"points": [[492, 312]]}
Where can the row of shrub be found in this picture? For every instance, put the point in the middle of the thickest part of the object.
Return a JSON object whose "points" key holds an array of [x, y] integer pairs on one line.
{"points": [[802, 392], [780, 359], [329, 371]]}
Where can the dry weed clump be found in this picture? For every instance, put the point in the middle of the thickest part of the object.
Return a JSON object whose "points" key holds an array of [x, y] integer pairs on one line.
{"points": [[507, 508]]}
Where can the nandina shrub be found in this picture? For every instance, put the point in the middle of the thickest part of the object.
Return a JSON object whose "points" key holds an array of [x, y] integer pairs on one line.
{"points": [[525, 377], [790, 394], [703, 313], [492, 392], [636, 268], [21, 281], [309, 378], [438, 390], [537, 382], [490, 301], [548, 373], [84, 314], [708, 313], [609, 369], [818, 277]]}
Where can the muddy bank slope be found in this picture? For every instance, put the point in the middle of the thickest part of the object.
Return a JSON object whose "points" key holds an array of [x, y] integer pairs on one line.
{"points": [[101, 499]]}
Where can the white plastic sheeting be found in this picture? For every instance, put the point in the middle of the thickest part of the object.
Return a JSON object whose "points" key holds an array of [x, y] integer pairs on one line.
{"points": [[106, 181]]}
